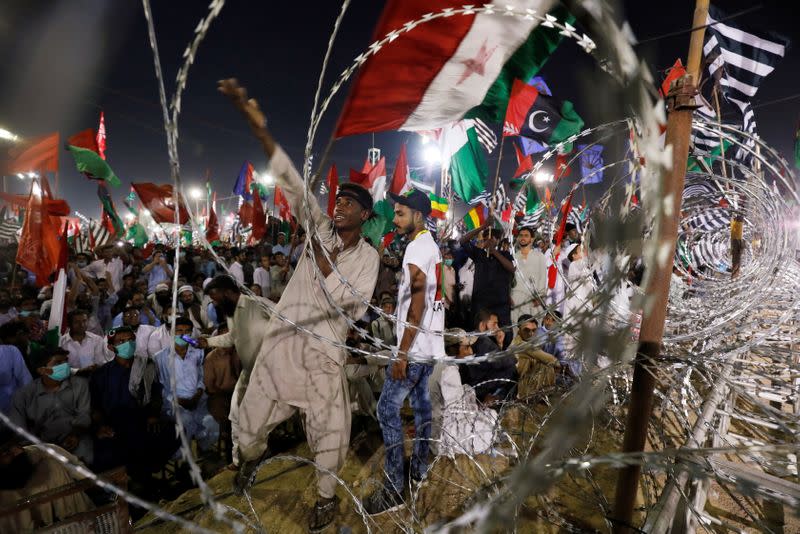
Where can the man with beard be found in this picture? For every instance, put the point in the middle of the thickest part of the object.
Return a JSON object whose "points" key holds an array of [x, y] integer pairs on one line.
{"points": [[420, 305], [296, 371]]}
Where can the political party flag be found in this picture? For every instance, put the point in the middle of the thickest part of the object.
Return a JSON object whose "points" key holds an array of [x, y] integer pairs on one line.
{"points": [[259, 218], [450, 67], [39, 248], [109, 211], [463, 157], [476, 217], [282, 203], [524, 163], [562, 166], [438, 206], [158, 199], [84, 151], [538, 116], [333, 187], [677, 71], [400, 176], [100, 139], [591, 158], [244, 182], [40, 155], [212, 228]]}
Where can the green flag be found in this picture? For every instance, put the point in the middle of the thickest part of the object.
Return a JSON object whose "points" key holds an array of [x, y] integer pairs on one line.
{"points": [[89, 162], [380, 223], [138, 234], [467, 164], [694, 164], [533, 201]]}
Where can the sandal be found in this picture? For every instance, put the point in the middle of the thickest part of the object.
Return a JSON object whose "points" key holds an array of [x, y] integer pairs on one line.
{"points": [[323, 514]]}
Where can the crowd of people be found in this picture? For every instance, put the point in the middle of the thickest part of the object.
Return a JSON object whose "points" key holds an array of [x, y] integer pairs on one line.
{"points": [[108, 390]]}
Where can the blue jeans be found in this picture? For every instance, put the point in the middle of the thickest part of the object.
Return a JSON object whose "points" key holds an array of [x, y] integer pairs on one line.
{"points": [[392, 397]]}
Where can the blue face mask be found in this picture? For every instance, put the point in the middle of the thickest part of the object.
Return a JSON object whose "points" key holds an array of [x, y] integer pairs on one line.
{"points": [[125, 350], [25, 313], [448, 262], [179, 341], [60, 372]]}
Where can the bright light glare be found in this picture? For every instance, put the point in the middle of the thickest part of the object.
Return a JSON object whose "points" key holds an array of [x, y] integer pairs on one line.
{"points": [[543, 177], [425, 140], [37, 191], [33, 175], [431, 154], [146, 212], [130, 217], [195, 193], [5, 134], [21, 175], [267, 178]]}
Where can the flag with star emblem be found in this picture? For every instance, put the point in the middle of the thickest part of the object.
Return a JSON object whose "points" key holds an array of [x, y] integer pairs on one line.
{"points": [[422, 76]]}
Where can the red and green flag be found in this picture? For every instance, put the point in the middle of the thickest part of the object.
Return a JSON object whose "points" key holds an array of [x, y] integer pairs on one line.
{"points": [[85, 152], [475, 218], [449, 68], [539, 116], [109, 212]]}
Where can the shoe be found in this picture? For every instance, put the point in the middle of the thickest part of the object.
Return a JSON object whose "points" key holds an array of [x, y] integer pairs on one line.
{"points": [[322, 514], [245, 476], [416, 484], [383, 500]]}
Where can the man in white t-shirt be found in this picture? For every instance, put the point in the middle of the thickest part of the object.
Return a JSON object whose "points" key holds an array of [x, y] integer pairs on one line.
{"points": [[419, 304]]}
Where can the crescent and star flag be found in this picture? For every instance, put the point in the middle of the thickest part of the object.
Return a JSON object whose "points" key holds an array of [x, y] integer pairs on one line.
{"points": [[244, 182], [541, 117], [448, 68]]}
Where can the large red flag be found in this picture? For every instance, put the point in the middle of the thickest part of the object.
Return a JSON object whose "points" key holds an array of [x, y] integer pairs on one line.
{"points": [[259, 218], [562, 166], [39, 247], [212, 228], [400, 174], [158, 199], [565, 209], [40, 154], [333, 187], [246, 214]]}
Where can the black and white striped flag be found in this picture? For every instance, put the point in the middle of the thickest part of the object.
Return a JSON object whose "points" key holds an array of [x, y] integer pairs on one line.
{"points": [[500, 198], [574, 217], [82, 243], [709, 220], [533, 219], [99, 234], [486, 136], [740, 60], [9, 229]]}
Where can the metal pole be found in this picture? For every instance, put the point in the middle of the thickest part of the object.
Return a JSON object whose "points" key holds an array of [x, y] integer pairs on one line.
{"points": [[679, 125]]}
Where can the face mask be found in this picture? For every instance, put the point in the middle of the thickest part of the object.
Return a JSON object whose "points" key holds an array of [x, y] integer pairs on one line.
{"points": [[25, 313], [80, 264], [179, 341], [125, 350], [60, 372], [448, 262]]}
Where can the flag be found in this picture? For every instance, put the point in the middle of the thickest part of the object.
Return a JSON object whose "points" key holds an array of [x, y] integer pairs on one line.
{"points": [[438, 206], [90, 163], [244, 182], [138, 235], [387, 239], [562, 166], [533, 218], [40, 154], [447, 67], [285, 211], [158, 199], [86, 139], [212, 228], [8, 230], [246, 214], [400, 176], [532, 201], [475, 218], [100, 139], [676, 72], [333, 187], [591, 159], [740, 58], [576, 216], [380, 223], [538, 116], [463, 157], [486, 136], [539, 83], [56, 324], [259, 219], [524, 163], [39, 248], [566, 208], [109, 210], [372, 177], [98, 234], [704, 162]]}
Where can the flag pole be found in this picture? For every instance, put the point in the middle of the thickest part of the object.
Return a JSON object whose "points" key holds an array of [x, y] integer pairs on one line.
{"points": [[680, 106]]}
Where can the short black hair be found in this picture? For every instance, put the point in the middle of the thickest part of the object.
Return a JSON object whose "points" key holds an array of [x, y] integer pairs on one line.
{"points": [[222, 282], [11, 329], [74, 313], [483, 315], [526, 318], [527, 229], [185, 321]]}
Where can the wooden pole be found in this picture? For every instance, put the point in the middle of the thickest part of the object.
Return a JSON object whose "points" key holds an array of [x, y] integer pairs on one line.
{"points": [[640, 405]]}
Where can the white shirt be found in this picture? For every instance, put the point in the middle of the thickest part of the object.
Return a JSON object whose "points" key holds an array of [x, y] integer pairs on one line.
{"points": [[237, 272], [143, 334], [159, 340], [423, 253], [532, 270], [98, 269], [466, 276], [91, 351], [261, 277]]}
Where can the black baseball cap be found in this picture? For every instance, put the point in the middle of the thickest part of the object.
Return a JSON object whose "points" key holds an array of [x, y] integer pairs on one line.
{"points": [[356, 192], [414, 199]]}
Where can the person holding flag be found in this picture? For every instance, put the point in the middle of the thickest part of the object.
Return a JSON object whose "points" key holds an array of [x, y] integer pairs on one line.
{"points": [[293, 370]]}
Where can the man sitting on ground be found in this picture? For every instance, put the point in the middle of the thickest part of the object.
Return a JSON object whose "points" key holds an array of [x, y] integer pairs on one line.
{"points": [[494, 379], [536, 368]]}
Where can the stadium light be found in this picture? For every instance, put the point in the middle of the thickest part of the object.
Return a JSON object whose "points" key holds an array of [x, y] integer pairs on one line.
{"points": [[543, 177], [431, 154], [195, 193], [5, 134], [267, 178]]}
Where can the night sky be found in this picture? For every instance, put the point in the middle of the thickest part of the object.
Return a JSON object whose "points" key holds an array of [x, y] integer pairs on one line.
{"points": [[63, 62]]}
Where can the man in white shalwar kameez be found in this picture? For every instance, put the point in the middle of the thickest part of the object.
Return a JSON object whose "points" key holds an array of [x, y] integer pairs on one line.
{"points": [[295, 370]]}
